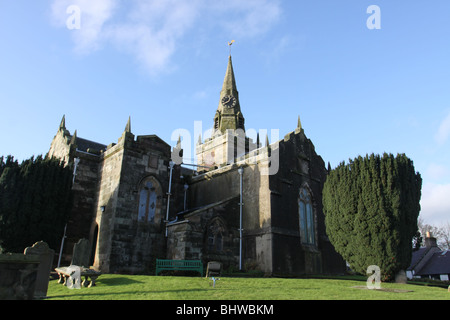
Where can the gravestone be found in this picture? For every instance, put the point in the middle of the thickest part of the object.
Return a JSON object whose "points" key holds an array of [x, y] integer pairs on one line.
{"points": [[45, 256], [400, 277], [71, 276], [81, 253], [18, 274]]}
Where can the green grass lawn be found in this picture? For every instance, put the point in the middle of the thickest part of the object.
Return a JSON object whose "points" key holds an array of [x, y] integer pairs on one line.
{"points": [[126, 287]]}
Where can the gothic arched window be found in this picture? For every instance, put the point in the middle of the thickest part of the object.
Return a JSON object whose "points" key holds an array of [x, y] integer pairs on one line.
{"points": [[305, 208], [148, 200]]}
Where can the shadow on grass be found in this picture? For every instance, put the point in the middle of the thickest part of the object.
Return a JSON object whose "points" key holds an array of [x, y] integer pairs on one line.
{"points": [[132, 294], [121, 281]]}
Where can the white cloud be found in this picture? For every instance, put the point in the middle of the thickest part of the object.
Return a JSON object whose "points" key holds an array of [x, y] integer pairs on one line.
{"points": [[436, 172], [93, 14], [151, 30], [247, 18], [435, 203], [444, 130]]}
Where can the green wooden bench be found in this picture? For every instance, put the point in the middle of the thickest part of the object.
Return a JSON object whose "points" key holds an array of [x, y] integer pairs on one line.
{"points": [[184, 265]]}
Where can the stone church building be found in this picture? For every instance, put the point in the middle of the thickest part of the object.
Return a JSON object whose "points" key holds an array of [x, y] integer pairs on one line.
{"points": [[246, 205]]}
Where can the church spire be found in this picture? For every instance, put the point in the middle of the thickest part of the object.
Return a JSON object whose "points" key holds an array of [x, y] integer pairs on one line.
{"points": [[229, 115], [229, 83]]}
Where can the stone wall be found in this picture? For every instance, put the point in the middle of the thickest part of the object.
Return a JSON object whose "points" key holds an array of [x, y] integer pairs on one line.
{"points": [[224, 183], [300, 167], [209, 233], [271, 224], [60, 146], [124, 243], [106, 198], [84, 190], [223, 149], [109, 178]]}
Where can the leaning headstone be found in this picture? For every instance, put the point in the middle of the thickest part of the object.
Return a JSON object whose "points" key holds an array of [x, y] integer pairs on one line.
{"points": [[45, 255], [81, 253]]}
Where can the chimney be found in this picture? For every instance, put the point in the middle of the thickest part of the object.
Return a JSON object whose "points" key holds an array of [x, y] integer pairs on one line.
{"points": [[430, 241]]}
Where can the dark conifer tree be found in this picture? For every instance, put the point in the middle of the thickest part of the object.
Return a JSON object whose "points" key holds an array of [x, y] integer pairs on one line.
{"points": [[371, 206], [35, 199]]}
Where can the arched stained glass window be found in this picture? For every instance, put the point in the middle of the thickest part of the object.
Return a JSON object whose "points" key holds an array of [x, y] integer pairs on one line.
{"points": [[148, 201], [307, 229]]}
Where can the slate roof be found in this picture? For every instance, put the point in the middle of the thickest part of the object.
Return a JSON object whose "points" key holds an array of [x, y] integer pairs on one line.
{"points": [[417, 256], [439, 263], [84, 145]]}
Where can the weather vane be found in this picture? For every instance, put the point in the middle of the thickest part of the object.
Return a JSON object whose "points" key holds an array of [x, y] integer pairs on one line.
{"points": [[230, 44]]}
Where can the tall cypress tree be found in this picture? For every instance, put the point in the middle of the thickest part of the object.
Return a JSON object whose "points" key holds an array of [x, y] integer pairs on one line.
{"points": [[371, 206], [10, 183], [35, 199]]}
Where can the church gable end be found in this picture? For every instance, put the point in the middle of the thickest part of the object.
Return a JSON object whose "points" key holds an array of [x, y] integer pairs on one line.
{"points": [[300, 241]]}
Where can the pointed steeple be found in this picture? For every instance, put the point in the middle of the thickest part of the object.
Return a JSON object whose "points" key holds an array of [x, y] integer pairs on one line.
{"points": [[229, 83], [229, 115]]}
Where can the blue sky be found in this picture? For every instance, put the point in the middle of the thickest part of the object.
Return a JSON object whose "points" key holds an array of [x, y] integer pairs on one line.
{"points": [[162, 62]]}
